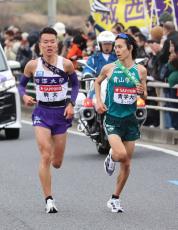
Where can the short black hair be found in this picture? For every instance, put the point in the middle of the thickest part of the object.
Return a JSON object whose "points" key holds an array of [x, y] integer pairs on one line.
{"points": [[141, 37], [133, 29], [119, 27], [48, 30], [130, 41]]}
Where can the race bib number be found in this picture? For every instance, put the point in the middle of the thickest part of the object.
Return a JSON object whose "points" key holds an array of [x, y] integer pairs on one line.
{"points": [[51, 92], [124, 95]]}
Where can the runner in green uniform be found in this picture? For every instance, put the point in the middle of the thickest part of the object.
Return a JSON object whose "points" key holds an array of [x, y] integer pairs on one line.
{"points": [[125, 80]]}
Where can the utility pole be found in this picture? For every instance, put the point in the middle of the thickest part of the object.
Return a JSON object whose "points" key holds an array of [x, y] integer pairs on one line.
{"points": [[51, 12]]}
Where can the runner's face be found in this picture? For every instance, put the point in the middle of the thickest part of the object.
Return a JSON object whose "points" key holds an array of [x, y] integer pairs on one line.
{"points": [[121, 49], [48, 44]]}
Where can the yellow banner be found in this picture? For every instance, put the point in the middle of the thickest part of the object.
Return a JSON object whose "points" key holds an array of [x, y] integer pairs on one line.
{"points": [[128, 12]]}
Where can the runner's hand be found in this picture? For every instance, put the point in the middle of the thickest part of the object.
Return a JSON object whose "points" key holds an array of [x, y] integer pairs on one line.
{"points": [[101, 107], [69, 111], [140, 89], [28, 100]]}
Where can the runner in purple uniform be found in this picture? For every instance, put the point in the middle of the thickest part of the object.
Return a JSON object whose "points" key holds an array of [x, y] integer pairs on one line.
{"points": [[54, 102]]}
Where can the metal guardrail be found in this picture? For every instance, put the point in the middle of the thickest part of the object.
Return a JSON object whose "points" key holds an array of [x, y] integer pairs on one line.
{"points": [[159, 86]]}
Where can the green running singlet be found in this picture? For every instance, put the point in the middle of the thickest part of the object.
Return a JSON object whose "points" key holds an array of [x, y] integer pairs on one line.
{"points": [[121, 94]]}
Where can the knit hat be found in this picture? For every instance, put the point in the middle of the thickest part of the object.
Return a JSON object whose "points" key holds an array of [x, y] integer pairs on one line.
{"points": [[164, 17], [173, 78]]}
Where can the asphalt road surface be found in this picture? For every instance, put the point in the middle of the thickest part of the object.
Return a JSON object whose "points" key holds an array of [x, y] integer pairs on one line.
{"points": [[81, 189]]}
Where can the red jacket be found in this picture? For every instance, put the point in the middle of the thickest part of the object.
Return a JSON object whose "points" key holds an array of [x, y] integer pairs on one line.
{"points": [[74, 53]]}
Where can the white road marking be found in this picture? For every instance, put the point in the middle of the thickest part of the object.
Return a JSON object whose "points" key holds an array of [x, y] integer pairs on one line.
{"points": [[152, 147], [167, 151]]}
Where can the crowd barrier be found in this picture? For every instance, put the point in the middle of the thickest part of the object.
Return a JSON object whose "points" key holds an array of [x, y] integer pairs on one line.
{"points": [[161, 99], [158, 134]]}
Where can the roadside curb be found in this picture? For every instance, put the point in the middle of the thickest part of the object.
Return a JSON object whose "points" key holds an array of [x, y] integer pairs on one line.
{"points": [[161, 136]]}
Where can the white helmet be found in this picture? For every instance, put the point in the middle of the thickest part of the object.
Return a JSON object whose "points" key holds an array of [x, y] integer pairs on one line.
{"points": [[106, 37]]}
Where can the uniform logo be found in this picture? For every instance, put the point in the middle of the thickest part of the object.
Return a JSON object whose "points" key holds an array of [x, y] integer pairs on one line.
{"points": [[125, 90], [39, 73], [110, 128], [37, 120], [50, 88]]}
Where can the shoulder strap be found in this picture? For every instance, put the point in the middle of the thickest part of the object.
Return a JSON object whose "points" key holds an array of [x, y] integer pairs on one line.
{"points": [[127, 72], [53, 68]]}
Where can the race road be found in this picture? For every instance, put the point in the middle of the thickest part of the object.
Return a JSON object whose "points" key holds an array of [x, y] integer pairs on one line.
{"points": [[81, 188]]}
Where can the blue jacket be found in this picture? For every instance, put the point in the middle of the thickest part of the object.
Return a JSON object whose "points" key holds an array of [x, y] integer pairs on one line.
{"points": [[96, 62]]}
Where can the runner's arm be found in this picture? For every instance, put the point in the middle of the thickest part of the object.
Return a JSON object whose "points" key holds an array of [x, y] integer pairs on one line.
{"points": [[28, 100], [73, 82], [143, 77], [100, 106]]}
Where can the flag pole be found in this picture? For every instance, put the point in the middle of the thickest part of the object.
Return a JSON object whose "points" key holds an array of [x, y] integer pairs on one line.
{"points": [[145, 13], [174, 15]]}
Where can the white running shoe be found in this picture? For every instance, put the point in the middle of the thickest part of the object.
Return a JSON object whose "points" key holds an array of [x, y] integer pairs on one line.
{"points": [[115, 205], [50, 206], [109, 164]]}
